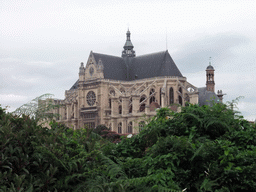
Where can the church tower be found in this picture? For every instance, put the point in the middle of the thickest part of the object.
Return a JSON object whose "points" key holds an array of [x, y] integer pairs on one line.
{"points": [[210, 84], [128, 46]]}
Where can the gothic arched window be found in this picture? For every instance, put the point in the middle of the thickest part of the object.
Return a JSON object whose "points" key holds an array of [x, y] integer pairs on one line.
{"points": [[152, 98], [180, 90], [180, 100], [171, 96], [129, 127], [130, 105], [119, 126], [120, 109], [142, 106], [109, 103], [143, 97], [152, 91], [130, 109]]}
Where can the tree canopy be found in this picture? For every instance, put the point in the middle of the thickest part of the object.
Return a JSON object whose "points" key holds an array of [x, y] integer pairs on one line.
{"points": [[206, 148]]}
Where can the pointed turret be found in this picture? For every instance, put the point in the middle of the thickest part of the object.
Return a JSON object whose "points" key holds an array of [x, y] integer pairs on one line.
{"points": [[128, 46], [81, 72]]}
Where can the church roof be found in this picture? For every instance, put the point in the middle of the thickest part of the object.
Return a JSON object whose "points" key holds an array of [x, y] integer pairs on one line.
{"points": [[154, 65], [114, 67], [129, 67], [141, 67], [75, 86], [205, 97]]}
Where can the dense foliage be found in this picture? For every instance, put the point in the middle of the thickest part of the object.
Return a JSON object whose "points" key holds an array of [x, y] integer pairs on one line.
{"points": [[199, 149]]}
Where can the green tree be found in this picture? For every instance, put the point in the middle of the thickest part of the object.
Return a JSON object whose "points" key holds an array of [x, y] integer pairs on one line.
{"points": [[208, 148]]}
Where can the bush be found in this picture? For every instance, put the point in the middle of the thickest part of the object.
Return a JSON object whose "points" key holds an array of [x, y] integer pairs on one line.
{"points": [[199, 149]]}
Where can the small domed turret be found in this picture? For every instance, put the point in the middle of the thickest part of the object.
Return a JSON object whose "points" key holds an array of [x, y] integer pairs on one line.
{"points": [[210, 68], [210, 84]]}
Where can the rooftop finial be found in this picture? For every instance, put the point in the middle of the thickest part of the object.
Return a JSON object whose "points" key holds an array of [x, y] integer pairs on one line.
{"points": [[128, 34], [166, 38], [210, 60]]}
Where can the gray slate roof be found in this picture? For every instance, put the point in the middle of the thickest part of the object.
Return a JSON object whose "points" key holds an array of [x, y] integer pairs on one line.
{"points": [[114, 67], [210, 67], [128, 44], [153, 65], [205, 97], [75, 86], [141, 67]]}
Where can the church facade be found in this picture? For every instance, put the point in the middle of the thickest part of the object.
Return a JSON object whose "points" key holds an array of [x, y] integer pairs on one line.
{"points": [[121, 92]]}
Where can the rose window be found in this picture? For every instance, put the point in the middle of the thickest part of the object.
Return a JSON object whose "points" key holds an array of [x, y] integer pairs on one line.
{"points": [[91, 98]]}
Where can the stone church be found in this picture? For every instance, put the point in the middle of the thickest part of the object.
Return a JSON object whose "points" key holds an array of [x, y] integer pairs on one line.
{"points": [[121, 92]]}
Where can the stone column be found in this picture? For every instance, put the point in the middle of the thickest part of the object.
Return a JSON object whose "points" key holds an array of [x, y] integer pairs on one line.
{"points": [[147, 108], [75, 111], [124, 126], [62, 112], [125, 105], [68, 111], [114, 125], [55, 112], [135, 127], [163, 100], [114, 107], [135, 104], [176, 95], [75, 126]]}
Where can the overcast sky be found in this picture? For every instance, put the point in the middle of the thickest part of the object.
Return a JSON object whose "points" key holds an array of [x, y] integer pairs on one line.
{"points": [[42, 42]]}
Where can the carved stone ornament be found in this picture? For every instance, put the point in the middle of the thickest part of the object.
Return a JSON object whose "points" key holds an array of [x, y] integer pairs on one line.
{"points": [[91, 70], [163, 90], [91, 98]]}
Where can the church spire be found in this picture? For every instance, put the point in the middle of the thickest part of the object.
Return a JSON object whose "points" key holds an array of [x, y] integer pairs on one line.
{"points": [[128, 46]]}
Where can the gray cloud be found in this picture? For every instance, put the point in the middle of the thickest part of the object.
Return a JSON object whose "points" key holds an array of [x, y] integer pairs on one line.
{"points": [[194, 56], [43, 43]]}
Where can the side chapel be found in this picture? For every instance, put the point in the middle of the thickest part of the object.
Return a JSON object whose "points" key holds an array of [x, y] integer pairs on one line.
{"points": [[120, 92]]}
